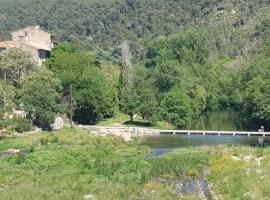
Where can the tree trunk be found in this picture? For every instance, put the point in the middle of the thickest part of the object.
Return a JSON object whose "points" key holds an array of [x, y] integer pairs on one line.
{"points": [[131, 116], [5, 75]]}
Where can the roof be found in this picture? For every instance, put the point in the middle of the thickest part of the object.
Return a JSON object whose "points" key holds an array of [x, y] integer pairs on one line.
{"points": [[5, 44], [30, 28]]}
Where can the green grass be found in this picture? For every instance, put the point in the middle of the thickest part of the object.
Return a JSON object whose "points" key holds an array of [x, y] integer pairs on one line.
{"points": [[119, 118], [241, 179], [69, 164], [122, 119]]}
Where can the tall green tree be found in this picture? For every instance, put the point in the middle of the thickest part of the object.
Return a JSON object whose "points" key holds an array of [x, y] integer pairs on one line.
{"points": [[176, 108], [40, 96], [94, 96], [128, 96], [147, 104]]}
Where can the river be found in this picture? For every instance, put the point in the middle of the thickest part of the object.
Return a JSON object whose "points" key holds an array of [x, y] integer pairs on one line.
{"points": [[220, 120], [165, 142]]}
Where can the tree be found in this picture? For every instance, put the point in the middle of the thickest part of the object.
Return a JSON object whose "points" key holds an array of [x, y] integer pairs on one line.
{"points": [[257, 100], [94, 95], [129, 101], [40, 96], [15, 64], [176, 108], [255, 89], [147, 105], [128, 96]]}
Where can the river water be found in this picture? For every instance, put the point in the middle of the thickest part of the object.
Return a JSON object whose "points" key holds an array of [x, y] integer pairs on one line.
{"points": [[226, 120], [185, 141], [162, 144], [220, 120]]}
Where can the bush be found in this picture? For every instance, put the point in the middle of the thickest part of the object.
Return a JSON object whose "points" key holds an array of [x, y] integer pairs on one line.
{"points": [[20, 124], [33, 148], [44, 142], [20, 159], [55, 139]]}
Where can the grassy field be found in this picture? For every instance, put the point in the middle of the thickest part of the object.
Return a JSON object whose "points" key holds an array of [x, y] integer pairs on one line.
{"points": [[69, 164]]}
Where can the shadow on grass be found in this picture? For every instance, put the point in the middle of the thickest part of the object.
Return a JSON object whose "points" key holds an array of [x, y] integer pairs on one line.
{"points": [[138, 123]]}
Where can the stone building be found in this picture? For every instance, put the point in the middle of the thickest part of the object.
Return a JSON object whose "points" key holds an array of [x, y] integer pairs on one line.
{"points": [[31, 39]]}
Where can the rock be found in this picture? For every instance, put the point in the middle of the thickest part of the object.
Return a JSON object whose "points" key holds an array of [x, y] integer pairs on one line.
{"points": [[153, 192], [89, 197], [247, 158], [258, 160], [13, 151], [162, 180], [20, 113], [235, 158], [59, 123]]}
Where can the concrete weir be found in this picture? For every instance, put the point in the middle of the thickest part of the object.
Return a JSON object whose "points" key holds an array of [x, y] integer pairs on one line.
{"points": [[203, 132], [138, 131]]}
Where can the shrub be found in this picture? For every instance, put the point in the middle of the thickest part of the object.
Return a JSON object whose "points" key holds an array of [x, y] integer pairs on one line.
{"points": [[259, 152], [20, 124], [55, 139], [44, 141], [33, 148], [20, 159]]}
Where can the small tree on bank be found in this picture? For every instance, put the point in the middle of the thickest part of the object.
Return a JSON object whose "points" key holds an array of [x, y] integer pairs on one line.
{"points": [[40, 97]]}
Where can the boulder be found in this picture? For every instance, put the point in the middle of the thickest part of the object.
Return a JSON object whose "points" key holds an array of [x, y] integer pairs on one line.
{"points": [[89, 197], [60, 122]]}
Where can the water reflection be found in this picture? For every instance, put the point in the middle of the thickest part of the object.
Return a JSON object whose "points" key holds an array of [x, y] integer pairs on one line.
{"points": [[184, 141], [226, 120]]}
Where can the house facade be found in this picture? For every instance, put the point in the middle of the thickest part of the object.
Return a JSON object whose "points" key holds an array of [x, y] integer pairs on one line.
{"points": [[31, 39]]}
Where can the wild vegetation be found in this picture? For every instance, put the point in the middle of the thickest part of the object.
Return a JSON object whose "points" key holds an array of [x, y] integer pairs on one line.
{"points": [[238, 26], [69, 164], [177, 83], [163, 62], [72, 163], [116, 57]]}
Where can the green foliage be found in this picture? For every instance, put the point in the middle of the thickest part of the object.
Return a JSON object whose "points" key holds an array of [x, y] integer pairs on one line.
{"points": [[176, 108], [129, 101], [19, 124], [171, 164], [90, 163], [189, 46], [44, 141], [178, 66], [255, 87], [103, 25], [6, 100], [40, 97], [94, 96], [20, 159], [15, 64]]}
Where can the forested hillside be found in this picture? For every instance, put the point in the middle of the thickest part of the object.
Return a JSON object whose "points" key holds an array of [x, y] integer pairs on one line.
{"points": [[167, 62], [237, 26]]}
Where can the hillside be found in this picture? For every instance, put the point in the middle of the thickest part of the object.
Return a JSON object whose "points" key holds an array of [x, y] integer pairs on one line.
{"points": [[237, 26]]}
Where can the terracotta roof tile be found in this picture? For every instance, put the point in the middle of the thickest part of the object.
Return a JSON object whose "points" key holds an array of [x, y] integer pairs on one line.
{"points": [[5, 44]]}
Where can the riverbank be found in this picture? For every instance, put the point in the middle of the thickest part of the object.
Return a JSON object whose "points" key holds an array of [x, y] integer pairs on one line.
{"points": [[76, 164]]}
